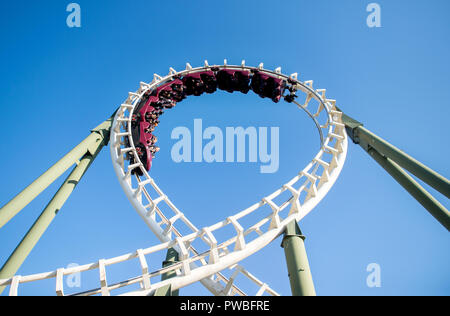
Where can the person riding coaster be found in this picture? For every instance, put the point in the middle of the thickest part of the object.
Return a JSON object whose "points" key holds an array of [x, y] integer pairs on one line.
{"points": [[267, 86], [152, 105], [232, 80]]}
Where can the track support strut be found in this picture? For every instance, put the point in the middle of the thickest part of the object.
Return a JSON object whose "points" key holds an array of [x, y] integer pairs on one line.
{"points": [[297, 261], [171, 258], [394, 161], [88, 150]]}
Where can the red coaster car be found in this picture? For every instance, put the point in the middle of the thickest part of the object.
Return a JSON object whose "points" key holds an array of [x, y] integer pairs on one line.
{"points": [[267, 86], [200, 82], [233, 80]]}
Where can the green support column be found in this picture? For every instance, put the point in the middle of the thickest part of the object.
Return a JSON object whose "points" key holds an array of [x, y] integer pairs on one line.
{"points": [[171, 258], [297, 261], [436, 209], [393, 160], [421, 171], [98, 135], [30, 240], [92, 146]]}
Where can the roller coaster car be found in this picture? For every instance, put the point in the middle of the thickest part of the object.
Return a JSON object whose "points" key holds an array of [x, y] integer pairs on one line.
{"points": [[193, 84], [233, 80], [173, 90], [209, 81], [145, 157], [142, 111], [267, 86], [141, 127], [140, 134], [200, 82], [145, 138], [142, 102], [142, 141], [167, 95], [146, 112]]}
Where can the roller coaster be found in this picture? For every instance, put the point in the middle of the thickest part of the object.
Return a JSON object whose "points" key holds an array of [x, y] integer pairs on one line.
{"points": [[197, 254]]}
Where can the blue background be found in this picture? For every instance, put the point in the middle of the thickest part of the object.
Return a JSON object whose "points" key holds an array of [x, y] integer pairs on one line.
{"points": [[59, 82]]}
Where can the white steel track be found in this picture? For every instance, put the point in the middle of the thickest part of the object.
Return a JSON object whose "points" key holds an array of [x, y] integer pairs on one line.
{"points": [[269, 217]]}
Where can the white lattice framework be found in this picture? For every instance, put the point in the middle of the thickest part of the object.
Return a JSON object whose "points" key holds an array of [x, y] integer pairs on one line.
{"points": [[268, 217]]}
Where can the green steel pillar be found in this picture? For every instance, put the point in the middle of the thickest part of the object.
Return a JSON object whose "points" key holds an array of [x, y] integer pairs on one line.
{"points": [[99, 135], [393, 160], [297, 261], [171, 258], [421, 171], [40, 226], [93, 145], [436, 209]]}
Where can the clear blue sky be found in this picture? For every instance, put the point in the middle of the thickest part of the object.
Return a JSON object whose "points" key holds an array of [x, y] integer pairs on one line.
{"points": [[57, 83]]}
